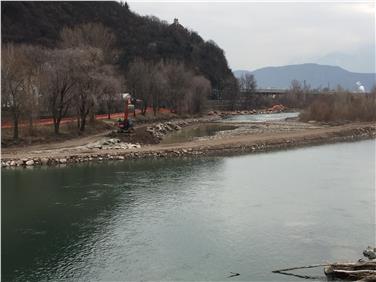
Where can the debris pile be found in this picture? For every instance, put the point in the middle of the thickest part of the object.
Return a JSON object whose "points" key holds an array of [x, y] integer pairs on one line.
{"points": [[159, 130], [276, 109], [112, 143]]}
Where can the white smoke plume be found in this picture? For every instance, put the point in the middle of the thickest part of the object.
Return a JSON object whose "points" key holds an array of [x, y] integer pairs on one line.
{"points": [[361, 88]]}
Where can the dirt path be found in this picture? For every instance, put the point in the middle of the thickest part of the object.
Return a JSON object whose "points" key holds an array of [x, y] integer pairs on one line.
{"points": [[56, 145], [249, 139], [245, 141]]}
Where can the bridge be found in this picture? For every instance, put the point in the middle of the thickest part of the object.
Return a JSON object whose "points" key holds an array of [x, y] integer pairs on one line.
{"points": [[271, 91], [280, 92], [267, 92]]}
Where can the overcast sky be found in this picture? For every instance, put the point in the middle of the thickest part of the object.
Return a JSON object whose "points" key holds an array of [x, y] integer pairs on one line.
{"points": [[255, 35]]}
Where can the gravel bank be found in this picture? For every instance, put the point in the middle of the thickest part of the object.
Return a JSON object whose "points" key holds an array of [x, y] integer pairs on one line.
{"points": [[237, 142]]}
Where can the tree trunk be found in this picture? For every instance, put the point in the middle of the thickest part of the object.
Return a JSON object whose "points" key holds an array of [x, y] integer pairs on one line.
{"points": [[15, 129], [78, 122], [155, 105], [92, 116], [30, 125], [83, 123], [56, 126]]}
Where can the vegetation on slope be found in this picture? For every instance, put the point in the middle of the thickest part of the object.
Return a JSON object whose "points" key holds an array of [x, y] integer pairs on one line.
{"points": [[137, 37]]}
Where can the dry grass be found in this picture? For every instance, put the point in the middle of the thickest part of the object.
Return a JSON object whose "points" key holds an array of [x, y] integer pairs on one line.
{"points": [[341, 107], [45, 133]]}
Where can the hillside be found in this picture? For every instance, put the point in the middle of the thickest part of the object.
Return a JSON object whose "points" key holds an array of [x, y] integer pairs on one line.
{"points": [[314, 74], [137, 36]]}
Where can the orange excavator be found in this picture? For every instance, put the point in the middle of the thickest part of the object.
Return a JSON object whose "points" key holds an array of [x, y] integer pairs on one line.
{"points": [[126, 125]]}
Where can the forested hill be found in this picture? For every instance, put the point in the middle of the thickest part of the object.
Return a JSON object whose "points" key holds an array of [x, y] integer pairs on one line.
{"points": [[137, 36]]}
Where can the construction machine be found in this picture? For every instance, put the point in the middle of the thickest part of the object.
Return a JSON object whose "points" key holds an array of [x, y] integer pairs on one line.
{"points": [[126, 125]]}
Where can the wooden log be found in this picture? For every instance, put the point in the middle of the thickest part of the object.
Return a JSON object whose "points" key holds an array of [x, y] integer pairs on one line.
{"points": [[352, 271], [370, 265], [285, 271], [300, 267], [364, 271]]}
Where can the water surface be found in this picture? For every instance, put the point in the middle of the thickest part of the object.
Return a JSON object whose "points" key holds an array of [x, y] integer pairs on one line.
{"points": [[192, 219], [194, 132], [261, 117]]}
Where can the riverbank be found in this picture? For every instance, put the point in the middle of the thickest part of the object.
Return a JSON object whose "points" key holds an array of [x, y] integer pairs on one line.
{"points": [[247, 138]]}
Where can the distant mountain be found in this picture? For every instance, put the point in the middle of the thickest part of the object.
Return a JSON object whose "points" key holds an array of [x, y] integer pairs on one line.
{"points": [[313, 74]]}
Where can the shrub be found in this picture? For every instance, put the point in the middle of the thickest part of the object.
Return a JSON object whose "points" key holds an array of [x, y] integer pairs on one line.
{"points": [[342, 106]]}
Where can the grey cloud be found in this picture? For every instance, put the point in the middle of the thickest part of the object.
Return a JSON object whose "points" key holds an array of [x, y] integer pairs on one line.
{"points": [[255, 35]]}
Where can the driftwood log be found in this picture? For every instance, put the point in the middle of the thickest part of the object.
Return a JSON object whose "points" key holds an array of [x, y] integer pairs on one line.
{"points": [[361, 270]]}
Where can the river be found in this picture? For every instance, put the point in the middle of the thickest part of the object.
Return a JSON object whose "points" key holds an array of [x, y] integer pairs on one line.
{"points": [[262, 117], [189, 219]]}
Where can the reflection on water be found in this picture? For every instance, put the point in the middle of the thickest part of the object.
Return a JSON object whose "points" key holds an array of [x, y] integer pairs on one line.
{"points": [[194, 132], [189, 219], [261, 117]]}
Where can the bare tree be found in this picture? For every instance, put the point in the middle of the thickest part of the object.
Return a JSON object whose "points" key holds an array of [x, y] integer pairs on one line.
{"points": [[230, 91], [199, 92], [59, 82], [96, 45], [89, 83], [158, 85], [32, 85], [13, 80], [247, 83], [169, 82], [90, 34], [111, 88], [178, 79], [294, 94], [138, 82]]}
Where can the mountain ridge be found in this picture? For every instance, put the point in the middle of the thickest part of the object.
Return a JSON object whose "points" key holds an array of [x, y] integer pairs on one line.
{"points": [[316, 75]]}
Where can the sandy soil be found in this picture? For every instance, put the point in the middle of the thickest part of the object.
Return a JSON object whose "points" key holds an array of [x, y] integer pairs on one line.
{"points": [[246, 137]]}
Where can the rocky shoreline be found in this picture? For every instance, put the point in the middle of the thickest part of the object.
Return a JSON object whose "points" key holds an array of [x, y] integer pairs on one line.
{"points": [[193, 150]]}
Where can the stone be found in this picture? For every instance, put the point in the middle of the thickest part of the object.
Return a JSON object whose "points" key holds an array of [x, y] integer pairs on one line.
{"points": [[29, 162], [62, 161], [370, 253]]}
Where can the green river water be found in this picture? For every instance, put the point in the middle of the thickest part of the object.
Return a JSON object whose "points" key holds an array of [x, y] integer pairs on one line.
{"points": [[189, 219]]}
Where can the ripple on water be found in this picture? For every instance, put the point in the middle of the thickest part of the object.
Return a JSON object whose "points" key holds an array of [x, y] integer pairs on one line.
{"points": [[190, 219]]}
